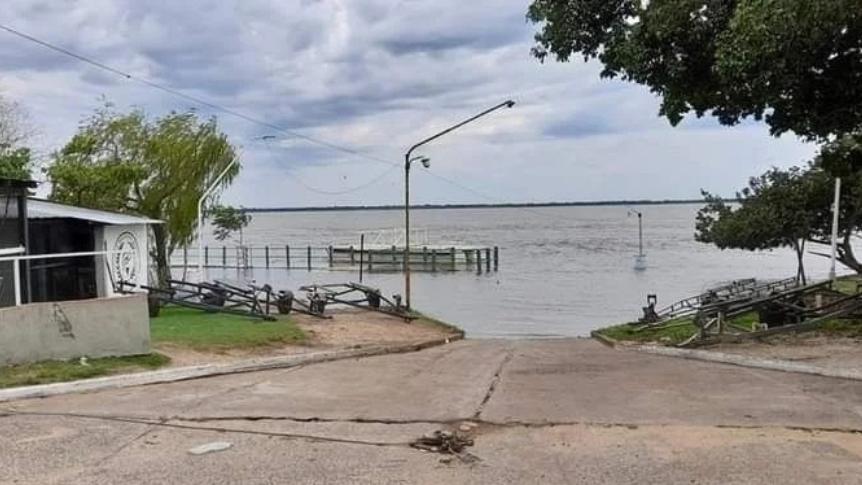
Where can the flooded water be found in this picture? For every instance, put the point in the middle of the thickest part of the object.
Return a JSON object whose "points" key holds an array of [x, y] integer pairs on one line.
{"points": [[563, 270]]}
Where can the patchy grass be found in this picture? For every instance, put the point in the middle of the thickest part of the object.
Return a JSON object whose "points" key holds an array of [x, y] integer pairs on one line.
{"points": [[841, 328], [72, 370], [194, 329], [673, 334], [847, 284], [432, 322]]}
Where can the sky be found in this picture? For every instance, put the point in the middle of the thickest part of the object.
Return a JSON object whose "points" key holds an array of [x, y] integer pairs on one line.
{"points": [[375, 77]]}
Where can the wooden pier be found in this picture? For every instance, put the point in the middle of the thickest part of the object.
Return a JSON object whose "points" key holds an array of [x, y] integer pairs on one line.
{"points": [[371, 258]]}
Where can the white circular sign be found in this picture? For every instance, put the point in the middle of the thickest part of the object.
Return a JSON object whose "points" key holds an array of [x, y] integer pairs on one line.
{"points": [[126, 261]]}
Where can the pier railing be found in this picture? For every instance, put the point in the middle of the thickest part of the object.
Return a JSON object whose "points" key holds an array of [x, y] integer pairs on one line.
{"points": [[375, 258]]}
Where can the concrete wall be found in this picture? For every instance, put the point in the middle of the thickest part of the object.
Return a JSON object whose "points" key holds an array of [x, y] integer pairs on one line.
{"points": [[65, 330]]}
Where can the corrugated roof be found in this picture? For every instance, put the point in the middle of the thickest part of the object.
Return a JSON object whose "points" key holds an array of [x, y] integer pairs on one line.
{"points": [[43, 209]]}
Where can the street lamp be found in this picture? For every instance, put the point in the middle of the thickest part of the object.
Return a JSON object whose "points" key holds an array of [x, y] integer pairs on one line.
{"points": [[408, 160], [203, 198], [640, 259]]}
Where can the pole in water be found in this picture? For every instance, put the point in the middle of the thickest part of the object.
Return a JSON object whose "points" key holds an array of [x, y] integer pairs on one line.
{"points": [[640, 258], [361, 253]]}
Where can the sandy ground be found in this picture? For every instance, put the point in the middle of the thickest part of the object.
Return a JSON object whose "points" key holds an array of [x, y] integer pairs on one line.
{"points": [[813, 348], [347, 329]]}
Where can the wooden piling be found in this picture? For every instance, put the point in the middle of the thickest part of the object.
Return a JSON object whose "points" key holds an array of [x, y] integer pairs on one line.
{"points": [[330, 256], [487, 260], [206, 256], [434, 260], [185, 258], [424, 257], [453, 255], [309, 258], [496, 258], [395, 255], [361, 255], [266, 253], [224, 256], [287, 256], [370, 258], [478, 261], [352, 256]]}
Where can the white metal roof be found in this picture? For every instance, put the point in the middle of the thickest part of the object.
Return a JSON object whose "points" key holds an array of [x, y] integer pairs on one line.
{"points": [[43, 209]]}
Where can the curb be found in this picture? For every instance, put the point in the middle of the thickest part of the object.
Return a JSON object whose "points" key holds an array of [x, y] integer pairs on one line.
{"points": [[604, 339], [212, 370], [747, 361]]}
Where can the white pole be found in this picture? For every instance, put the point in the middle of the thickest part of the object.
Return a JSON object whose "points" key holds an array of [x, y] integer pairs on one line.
{"points": [[16, 275], [206, 194], [836, 208]]}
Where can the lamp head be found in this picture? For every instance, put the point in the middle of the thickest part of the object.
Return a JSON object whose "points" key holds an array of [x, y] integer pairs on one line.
{"points": [[510, 103], [426, 162]]}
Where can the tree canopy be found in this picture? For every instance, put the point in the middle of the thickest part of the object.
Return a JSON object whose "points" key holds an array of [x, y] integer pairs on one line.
{"points": [[16, 161], [158, 168], [228, 220], [797, 64]]}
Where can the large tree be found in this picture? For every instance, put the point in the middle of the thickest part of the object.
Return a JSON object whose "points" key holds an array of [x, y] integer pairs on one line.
{"points": [[158, 168], [797, 64]]}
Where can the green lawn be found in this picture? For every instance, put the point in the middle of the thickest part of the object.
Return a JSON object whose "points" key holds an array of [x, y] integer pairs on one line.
{"points": [[62, 371], [194, 329], [670, 335]]}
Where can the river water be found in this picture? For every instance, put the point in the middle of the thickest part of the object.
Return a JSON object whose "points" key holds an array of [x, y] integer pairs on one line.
{"points": [[563, 270]]}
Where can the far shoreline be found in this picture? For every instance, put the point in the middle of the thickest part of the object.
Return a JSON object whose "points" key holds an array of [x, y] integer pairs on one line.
{"points": [[521, 205]]}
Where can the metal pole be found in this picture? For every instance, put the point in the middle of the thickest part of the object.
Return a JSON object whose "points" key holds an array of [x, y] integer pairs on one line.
{"points": [[206, 194], [640, 234], [836, 207], [361, 255], [407, 230]]}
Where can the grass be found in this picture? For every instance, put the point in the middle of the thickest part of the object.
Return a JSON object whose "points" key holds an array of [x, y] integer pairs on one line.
{"points": [[847, 284], [63, 371], [197, 330], [670, 335]]}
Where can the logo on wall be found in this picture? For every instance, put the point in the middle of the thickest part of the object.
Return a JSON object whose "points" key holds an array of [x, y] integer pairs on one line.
{"points": [[126, 261]]}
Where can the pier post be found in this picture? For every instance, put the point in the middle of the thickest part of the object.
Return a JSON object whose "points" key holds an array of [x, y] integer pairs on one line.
{"points": [[370, 258], [251, 256], [287, 256], [453, 255], [224, 256], [487, 260], [267, 256], [206, 256], [496, 258], [395, 256], [185, 258], [330, 255], [361, 255], [434, 260], [352, 256], [478, 261], [309, 258], [425, 257]]}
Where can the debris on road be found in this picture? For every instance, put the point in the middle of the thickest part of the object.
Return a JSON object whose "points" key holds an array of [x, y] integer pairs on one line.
{"points": [[447, 443], [213, 447]]}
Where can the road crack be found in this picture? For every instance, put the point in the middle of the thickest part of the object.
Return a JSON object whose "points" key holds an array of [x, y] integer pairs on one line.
{"points": [[492, 386]]}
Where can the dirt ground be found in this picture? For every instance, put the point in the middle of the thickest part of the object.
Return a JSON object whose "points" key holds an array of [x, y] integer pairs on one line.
{"points": [[346, 329], [817, 349]]}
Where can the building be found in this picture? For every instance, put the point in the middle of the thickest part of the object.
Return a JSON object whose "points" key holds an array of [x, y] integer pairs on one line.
{"points": [[60, 272]]}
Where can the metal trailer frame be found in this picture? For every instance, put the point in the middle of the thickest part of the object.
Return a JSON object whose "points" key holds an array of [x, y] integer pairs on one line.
{"points": [[371, 298]]}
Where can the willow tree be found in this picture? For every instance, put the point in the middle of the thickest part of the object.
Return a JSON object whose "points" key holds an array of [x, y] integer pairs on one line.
{"points": [[157, 168]]}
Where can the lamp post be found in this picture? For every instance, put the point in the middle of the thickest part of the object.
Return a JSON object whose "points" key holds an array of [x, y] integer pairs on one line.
{"points": [[203, 198], [836, 207], [640, 259], [408, 160]]}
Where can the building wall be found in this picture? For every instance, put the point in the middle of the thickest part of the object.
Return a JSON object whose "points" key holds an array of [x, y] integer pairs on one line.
{"points": [[132, 265], [66, 330]]}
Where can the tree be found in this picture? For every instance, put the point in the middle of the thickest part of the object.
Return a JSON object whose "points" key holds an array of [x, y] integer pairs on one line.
{"points": [[797, 64], [15, 160], [157, 168], [778, 209], [228, 220]]}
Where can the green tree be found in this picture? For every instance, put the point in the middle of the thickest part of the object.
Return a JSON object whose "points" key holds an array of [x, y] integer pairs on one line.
{"points": [[797, 64], [778, 209], [228, 220], [15, 163], [158, 168]]}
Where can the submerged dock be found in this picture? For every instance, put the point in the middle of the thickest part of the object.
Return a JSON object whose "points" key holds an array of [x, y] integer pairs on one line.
{"points": [[371, 258]]}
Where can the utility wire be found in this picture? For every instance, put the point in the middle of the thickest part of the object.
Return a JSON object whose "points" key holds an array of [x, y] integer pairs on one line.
{"points": [[243, 116]]}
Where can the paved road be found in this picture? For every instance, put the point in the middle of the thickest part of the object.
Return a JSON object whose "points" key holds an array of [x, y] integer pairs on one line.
{"points": [[560, 411]]}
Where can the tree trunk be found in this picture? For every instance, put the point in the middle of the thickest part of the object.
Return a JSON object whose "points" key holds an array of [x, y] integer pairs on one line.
{"points": [[799, 247], [163, 270], [846, 256]]}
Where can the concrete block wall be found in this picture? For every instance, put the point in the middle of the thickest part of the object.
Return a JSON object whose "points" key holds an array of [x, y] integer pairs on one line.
{"points": [[102, 327]]}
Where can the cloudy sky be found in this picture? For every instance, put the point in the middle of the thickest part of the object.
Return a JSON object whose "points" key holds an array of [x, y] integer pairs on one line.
{"points": [[375, 76]]}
